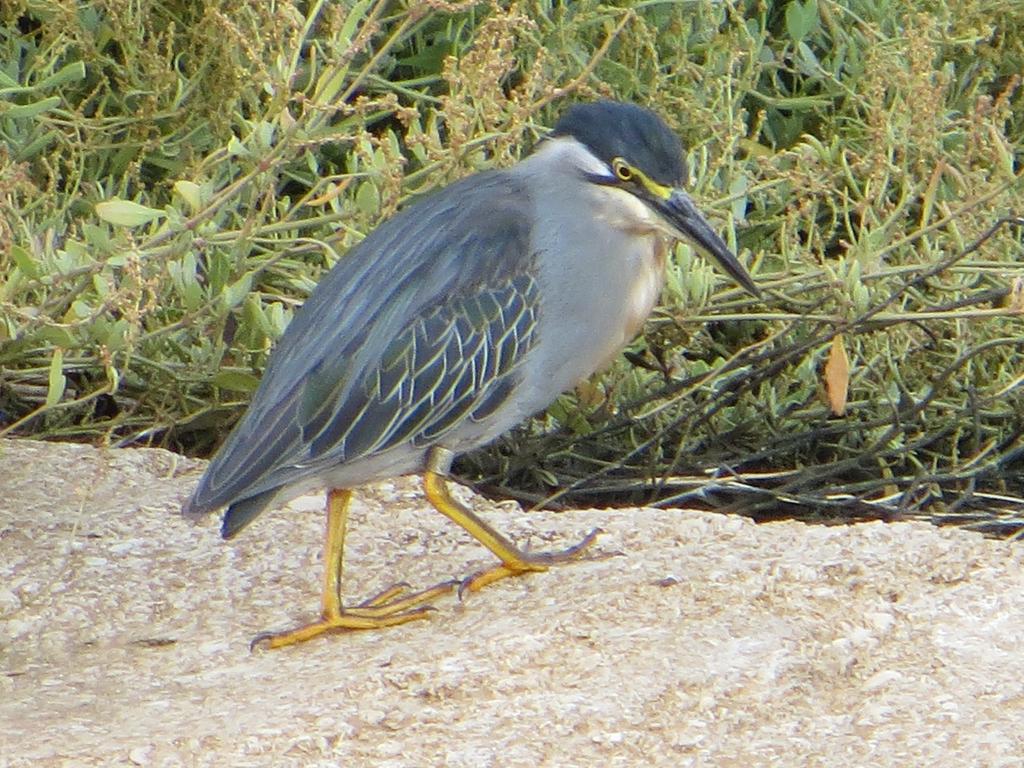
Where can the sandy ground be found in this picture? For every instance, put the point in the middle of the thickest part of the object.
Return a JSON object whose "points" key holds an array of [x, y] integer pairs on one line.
{"points": [[706, 641]]}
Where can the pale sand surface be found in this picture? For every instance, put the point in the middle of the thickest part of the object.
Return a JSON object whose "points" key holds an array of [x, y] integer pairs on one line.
{"points": [[709, 641]]}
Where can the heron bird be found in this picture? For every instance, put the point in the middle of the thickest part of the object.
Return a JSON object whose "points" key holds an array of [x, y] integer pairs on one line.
{"points": [[454, 320]]}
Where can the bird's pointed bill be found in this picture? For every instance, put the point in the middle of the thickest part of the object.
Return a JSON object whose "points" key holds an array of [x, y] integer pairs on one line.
{"points": [[680, 211]]}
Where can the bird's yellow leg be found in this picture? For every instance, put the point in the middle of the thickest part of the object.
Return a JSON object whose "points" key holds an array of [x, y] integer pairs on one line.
{"points": [[513, 560], [388, 608]]}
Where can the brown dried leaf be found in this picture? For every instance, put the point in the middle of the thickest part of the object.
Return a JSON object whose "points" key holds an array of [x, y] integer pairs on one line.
{"points": [[837, 376]]}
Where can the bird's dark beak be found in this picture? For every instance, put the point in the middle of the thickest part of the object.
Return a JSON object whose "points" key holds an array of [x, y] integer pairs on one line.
{"points": [[679, 211]]}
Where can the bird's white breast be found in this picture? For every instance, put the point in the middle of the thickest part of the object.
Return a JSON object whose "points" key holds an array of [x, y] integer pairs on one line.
{"points": [[601, 254]]}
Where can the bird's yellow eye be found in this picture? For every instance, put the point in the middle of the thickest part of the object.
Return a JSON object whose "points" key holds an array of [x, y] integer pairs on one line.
{"points": [[622, 169]]}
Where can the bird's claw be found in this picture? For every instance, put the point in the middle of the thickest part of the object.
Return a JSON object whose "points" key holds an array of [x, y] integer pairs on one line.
{"points": [[528, 562], [388, 608]]}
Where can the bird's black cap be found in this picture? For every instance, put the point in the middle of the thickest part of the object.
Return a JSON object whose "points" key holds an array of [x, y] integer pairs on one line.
{"points": [[613, 129]]}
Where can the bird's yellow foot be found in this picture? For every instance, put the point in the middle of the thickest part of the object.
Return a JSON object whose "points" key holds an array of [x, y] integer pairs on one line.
{"points": [[386, 609], [513, 560], [525, 562]]}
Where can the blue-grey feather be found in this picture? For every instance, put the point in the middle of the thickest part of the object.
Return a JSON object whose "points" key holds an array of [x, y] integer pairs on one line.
{"points": [[449, 250]]}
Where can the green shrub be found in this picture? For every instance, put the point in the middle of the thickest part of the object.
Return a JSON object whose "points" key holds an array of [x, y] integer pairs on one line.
{"points": [[175, 176]]}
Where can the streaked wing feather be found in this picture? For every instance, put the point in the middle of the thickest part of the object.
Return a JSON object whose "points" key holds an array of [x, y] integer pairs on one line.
{"points": [[440, 372], [446, 251]]}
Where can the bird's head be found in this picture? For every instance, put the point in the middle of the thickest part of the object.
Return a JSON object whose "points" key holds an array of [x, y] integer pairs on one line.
{"points": [[643, 157]]}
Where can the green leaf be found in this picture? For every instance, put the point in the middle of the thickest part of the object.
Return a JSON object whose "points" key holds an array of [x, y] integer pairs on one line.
{"points": [[58, 336], [368, 198], [37, 145], [29, 110], [236, 381], [263, 132], [57, 380], [184, 276], [191, 193], [114, 335], [78, 310], [125, 213], [331, 83], [67, 74], [569, 415], [809, 64], [801, 18], [97, 241], [738, 191], [237, 148], [276, 320], [235, 293], [357, 14], [24, 261]]}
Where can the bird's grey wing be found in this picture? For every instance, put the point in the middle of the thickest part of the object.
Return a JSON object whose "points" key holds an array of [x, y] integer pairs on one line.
{"points": [[455, 364], [422, 291]]}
